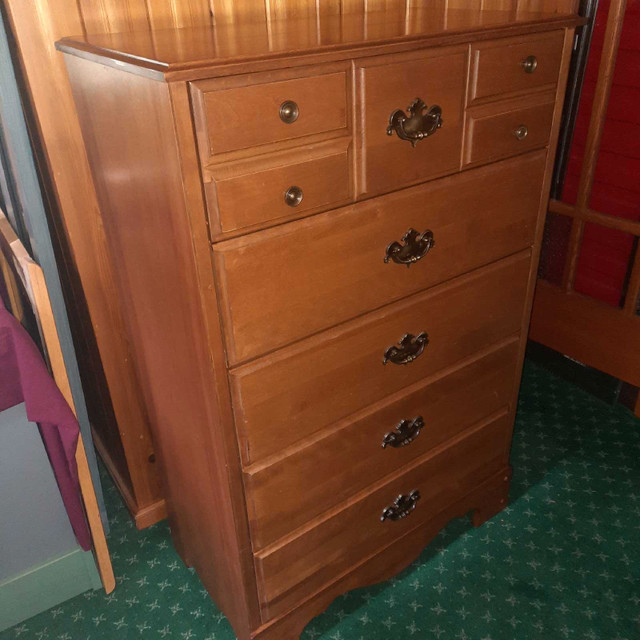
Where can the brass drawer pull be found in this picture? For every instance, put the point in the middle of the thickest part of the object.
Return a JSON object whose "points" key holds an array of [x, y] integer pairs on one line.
{"points": [[293, 196], [521, 132], [530, 64], [401, 507], [407, 350], [416, 247], [405, 433], [289, 112], [418, 124]]}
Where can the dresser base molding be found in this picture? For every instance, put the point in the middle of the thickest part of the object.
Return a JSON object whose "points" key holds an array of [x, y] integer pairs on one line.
{"points": [[487, 500]]}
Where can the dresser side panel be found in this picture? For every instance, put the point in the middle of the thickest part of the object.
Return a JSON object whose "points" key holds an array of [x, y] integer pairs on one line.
{"points": [[130, 136]]}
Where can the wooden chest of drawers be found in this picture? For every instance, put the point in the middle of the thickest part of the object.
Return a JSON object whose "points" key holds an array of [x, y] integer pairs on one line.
{"points": [[328, 291]]}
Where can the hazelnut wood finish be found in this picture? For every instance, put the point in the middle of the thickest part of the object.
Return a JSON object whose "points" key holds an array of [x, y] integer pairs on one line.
{"points": [[436, 76], [262, 270], [305, 561], [247, 193], [513, 66], [288, 389], [496, 131], [242, 112], [300, 328], [307, 480]]}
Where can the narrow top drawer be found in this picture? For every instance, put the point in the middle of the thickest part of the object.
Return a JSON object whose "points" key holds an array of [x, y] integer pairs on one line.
{"points": [[248, 111], [514, 65]]}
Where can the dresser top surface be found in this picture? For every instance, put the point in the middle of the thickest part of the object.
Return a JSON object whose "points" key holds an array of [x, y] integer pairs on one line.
{"points": [[180, 51]]}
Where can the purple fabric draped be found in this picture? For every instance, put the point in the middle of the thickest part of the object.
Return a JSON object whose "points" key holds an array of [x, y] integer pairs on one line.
{"points": [[24, 378]]}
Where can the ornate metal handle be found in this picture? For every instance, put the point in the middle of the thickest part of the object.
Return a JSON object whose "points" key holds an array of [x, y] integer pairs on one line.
{"points": [[421, 122], [293, 196], [289, 112], [407, 350], [416, 247], [521, 132], [406, 432], [401, 507], [530, 64]]}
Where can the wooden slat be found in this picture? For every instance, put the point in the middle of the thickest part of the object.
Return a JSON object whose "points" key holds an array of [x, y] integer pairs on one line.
{"points": [[587, 330], [630, 307], [594, 135], [588, 215], [44, 312]]}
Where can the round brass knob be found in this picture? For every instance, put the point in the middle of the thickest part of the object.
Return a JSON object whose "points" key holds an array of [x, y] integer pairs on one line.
{"points": [[293, 196], [289, 111], [521, 132], [529, 64]]}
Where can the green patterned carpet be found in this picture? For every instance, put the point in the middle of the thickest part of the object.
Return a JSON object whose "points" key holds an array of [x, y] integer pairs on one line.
{"points": [[563, 561]]}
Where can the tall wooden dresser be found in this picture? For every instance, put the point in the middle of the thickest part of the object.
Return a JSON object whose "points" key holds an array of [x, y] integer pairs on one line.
{"points": [[326, 235]]}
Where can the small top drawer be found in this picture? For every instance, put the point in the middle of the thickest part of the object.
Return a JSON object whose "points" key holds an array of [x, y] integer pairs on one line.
{"points": [[247, 111], [411, 117], [514, 65]]}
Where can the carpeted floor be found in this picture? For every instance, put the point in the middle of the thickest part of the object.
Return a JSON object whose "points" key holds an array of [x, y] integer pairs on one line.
{"points": [[563, 561]]}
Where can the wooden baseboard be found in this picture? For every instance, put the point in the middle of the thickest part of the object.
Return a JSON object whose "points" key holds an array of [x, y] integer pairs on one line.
{"points": [[152, 513], [46, 585], [587, 330], [143, 515]]}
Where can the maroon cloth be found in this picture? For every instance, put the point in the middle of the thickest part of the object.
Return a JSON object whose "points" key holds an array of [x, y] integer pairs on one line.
{"points": [[24, 378]]}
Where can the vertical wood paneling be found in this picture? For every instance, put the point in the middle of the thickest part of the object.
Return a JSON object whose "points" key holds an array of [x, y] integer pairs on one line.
{"points": [[464, 4], [104, 16], [550, 6], [500, 5], [282, 9], [127, 15], [166, 14], [232, 11]]}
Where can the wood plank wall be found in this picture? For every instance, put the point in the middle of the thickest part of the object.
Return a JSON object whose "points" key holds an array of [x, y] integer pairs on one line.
{"points": [[36, 25], [100, 16]]}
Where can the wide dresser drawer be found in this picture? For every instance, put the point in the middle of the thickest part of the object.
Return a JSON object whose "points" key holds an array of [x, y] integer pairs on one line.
{"points": [[283, 398], [305, 561], [380, 440], [280, 285]]}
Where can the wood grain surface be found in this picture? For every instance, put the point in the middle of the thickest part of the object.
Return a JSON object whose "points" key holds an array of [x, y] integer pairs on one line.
{"points": [[326, 470], [475, 217], [304, 563], [289, 391]]}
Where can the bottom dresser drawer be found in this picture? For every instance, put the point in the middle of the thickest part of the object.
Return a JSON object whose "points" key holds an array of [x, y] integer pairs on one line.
{"points": [[297, 567]]}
